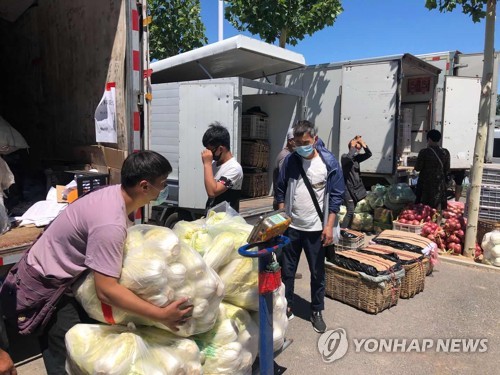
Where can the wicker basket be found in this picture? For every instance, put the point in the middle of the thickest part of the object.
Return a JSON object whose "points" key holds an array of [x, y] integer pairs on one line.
{"points": [[484, 226], [255, 154], [350, 288], [414, 280], [255, 185]]}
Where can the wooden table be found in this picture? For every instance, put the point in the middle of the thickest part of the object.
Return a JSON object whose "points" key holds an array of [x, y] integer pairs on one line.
{"points": [[15, 242]]}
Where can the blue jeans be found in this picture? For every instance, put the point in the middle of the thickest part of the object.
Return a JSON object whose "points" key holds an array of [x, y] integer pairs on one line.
{"points": [[315, 254]]}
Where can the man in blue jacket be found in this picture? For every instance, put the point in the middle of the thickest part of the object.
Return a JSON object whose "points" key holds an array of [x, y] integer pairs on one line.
{"points": [[309, 230]]}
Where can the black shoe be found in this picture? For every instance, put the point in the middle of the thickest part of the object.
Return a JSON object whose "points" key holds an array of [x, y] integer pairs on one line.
{"points": [[318, 322], [289, 314]]}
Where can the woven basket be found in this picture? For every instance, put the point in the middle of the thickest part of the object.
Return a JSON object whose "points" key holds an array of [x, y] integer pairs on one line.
{"points": [[484, 226], [350, 288], [414, 280]]}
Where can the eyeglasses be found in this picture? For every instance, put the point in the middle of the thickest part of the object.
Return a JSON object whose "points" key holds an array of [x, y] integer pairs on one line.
{"points": [[164, 183]]}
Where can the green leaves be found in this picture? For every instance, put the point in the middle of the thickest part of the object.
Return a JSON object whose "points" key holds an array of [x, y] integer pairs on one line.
{"points": [[287, 21], [474, 8], [176, 27]]}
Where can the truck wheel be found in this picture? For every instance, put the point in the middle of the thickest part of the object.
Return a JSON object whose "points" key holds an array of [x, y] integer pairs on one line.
{"points": [[172, 219]]}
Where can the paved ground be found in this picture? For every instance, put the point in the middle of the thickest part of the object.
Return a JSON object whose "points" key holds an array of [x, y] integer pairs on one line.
{"points": [[458, 302]]}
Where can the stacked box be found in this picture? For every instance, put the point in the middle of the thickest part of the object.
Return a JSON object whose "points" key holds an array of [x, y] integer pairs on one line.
{"points": [[489, 200]]}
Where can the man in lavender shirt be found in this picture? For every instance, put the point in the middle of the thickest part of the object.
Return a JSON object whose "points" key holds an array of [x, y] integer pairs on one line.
{"points": [[88, 235]]}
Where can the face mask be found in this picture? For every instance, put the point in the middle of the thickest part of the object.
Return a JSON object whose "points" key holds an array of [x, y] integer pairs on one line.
{"points": [[304, 151], [162, 197], [216, 157]]}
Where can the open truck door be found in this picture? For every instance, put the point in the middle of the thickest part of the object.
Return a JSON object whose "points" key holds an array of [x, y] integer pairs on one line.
{"points": [[460, 117], [369, 108]]}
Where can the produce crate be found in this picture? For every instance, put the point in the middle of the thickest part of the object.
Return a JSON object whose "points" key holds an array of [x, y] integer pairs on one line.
{"points": [[414, 279], [490, 196], [254, 127], [350, 288], [255, 185], [489, 213], [350, 243], [485, 226], [407, 227], [491, 174], [87, 181], [255, 154]]}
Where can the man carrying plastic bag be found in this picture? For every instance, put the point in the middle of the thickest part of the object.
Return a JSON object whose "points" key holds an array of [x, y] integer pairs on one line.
{"points": [[88, 235]]}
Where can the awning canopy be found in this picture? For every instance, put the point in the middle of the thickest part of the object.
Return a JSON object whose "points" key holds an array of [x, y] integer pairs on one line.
{"points": [[239, 56]]}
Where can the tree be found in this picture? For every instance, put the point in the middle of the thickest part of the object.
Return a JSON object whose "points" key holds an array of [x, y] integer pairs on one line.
{"points": [[176, 27], [285, 20], [477, 9]]}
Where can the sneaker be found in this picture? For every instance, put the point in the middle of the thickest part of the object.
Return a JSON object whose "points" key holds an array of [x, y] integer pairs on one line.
{"points": [[318, 322], [289, 314]]}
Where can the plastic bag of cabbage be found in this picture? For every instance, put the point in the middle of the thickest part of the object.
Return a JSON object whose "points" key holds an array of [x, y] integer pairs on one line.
{"points": [[280, 320], [232, 345], [160, 270], [116, 350], [224, 234]]}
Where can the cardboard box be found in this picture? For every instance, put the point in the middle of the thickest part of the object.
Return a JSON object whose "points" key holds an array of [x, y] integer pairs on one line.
{"points": [[100, 156], [115, 176]]}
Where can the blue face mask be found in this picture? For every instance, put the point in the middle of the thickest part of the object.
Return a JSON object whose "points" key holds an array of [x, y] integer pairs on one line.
{"points": [[304, 151], [162, 197]]}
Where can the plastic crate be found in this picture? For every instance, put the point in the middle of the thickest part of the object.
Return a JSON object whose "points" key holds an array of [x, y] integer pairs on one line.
{"points": [[407, 227], [350, 243], [490, 213], [88, 181], [491, 175], [489, 196], [254, 127]]}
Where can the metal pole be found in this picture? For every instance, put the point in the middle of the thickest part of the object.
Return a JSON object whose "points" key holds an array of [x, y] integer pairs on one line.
{"points": [[221, 20], [266, 355]]}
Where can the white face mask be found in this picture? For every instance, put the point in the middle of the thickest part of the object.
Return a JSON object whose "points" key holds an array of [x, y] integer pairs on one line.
{"points": [[162, 196]]}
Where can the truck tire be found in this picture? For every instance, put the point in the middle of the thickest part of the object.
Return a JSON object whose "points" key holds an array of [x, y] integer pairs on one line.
{"points": [[171, 220]]}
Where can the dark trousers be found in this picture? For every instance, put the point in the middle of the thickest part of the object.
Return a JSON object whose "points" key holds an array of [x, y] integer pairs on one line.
{"points": [[350, 206], [315, 254], [68, 313]]}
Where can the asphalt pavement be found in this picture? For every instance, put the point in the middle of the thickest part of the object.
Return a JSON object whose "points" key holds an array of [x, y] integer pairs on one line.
{"points": [[458, 302]]}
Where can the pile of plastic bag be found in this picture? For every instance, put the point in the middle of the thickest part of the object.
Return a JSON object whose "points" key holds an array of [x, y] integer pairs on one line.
{"points": [[398, 196], [160, 270], [491, 248], [101, 349], [231, 346], [223, 234], [280, 320], [375, 197]]}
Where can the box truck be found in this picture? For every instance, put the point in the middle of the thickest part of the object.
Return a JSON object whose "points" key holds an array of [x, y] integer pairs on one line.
{"points": [[392, 102], [57, 60], [218, 82]]}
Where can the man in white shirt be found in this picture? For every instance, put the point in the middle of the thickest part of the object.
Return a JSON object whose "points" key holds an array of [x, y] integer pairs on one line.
{"points": [[311, 228], [223, 175]]}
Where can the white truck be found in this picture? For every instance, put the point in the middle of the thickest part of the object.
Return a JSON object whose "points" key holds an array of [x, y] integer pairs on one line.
{"points": [[393, 101], [217, 82]]}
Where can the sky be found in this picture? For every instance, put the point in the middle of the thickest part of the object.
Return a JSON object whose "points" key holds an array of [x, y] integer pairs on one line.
{"points": [[369, 28]]}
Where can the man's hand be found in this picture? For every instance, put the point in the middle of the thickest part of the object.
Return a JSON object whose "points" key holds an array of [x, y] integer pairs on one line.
{"points": [[175, 314], [327, 236], [362, 142], [207, 157], [6, 364], [353, 143]]}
